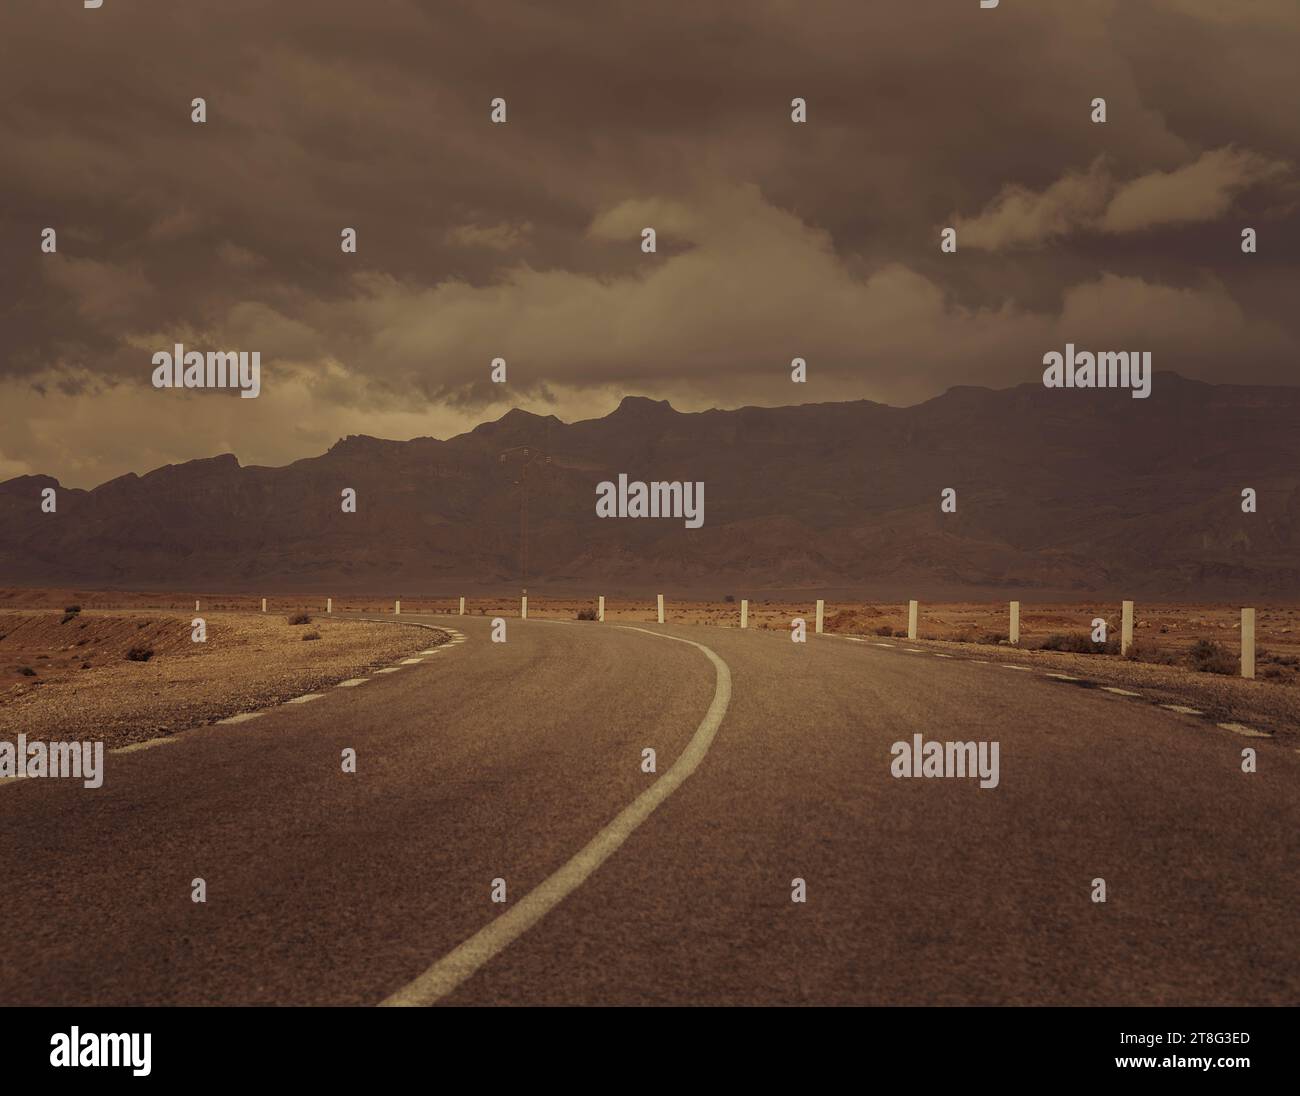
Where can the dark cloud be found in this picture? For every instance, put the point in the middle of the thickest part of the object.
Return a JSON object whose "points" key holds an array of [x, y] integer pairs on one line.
{"points": [[521, 241]]}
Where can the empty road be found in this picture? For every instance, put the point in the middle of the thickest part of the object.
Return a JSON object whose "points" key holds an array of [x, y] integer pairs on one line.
{"points": [[509, 761]]}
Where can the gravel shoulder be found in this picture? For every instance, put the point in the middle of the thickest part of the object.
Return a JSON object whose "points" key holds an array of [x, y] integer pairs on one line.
{"points": [[85, 686]]}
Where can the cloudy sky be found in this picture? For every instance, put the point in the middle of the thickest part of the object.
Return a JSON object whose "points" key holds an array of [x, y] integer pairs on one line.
{"points": [[523, 240]]}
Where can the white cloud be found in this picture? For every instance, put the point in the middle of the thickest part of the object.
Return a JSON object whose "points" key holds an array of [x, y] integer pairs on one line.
{"points": [[498, 237], [1200, 191], [1094, 201]]}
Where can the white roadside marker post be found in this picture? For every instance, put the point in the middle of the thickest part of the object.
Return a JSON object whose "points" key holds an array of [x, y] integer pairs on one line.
{"points": [[1126, 628], [911, 620], [1248, 643], [744, 612], [661, 608], [1014, 634], [821, 612], [600, 608]]}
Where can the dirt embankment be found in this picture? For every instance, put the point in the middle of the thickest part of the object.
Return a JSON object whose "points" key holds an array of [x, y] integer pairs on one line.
{"points": [[128, 676]]}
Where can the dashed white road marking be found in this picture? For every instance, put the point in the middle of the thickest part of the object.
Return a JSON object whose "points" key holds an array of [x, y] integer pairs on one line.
{"points": [[1237, 728], [1241, 728], [244, 717], [148, 744], [452, 969]]}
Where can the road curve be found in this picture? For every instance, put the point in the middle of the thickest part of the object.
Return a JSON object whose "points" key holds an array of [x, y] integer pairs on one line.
{"points": [[506, 760]]}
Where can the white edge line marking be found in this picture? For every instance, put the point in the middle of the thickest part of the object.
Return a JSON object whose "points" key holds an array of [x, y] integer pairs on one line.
{"points": [[411, 661], [1064, 677], [388, 670], [938, 655], [242, 717], [1119, 692], [1241, 728], [148, 744], [1182, 709], [460, 963], [875, 644], [915, 650]]}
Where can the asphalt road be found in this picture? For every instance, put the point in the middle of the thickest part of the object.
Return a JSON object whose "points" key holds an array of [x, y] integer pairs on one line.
{"points": [[507, 761]]}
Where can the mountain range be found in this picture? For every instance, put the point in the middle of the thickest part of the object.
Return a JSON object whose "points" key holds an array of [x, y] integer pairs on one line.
{"points": [[1058, 492]]}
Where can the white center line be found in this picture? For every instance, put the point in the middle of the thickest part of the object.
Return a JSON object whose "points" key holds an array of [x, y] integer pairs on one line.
{"points": [[242, 717], [305, 698], [460, 963], [1064, 677], [388, 670], [1183, 709], [1119, 692], [351, 682]]}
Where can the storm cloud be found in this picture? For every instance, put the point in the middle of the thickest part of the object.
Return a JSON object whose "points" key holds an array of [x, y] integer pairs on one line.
{"points": [[522, 241]]}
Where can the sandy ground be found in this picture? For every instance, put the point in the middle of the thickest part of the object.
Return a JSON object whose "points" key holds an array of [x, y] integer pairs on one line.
{"points": [[82, 684], [1165, 634], [1175, 627]]}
